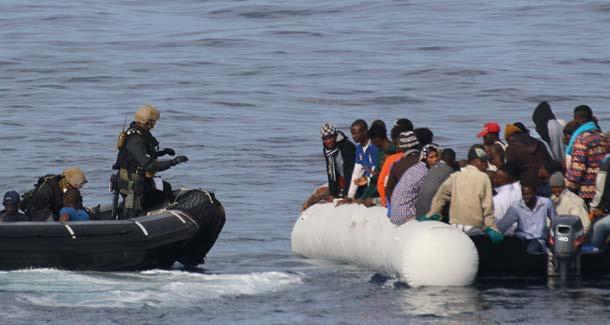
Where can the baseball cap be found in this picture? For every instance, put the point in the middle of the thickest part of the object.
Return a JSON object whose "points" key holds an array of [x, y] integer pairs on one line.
{"points": [[477, 152], [489, 127], [11, 197]]}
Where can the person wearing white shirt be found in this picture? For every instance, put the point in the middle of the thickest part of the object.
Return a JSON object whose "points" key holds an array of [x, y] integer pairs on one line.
{"points": [[508, 192]]}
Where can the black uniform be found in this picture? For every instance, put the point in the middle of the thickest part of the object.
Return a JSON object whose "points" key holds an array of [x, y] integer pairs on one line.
{"points": [[137, 162], [13, 217]]}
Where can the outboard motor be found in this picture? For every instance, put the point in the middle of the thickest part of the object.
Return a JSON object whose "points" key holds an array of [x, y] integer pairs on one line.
{"points": [[566, 240]]}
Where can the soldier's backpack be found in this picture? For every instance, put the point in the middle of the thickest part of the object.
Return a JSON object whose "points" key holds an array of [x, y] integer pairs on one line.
{"points": [[26, 198]]}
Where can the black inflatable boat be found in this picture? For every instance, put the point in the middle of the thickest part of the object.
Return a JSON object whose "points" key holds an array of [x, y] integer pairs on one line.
{"points": [[183, 230]]}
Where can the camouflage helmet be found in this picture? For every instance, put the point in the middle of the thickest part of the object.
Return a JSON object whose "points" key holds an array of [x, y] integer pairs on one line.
{"points": [[146, 113], [75, 176]]}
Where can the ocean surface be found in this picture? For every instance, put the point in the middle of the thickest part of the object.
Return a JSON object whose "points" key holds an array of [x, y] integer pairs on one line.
{"points": [[243, 87]]}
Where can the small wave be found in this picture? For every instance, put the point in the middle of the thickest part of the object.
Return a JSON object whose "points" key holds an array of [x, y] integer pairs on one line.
{"points": [[279, 13], [234, 104], [434, 48], [395, 100], [40, 270], [467, 73], [297, 33], [155, 288], [269, 11], [89, 79]]}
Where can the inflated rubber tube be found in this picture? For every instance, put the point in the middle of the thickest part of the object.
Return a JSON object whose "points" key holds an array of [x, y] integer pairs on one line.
{"points": [[427, 253]]}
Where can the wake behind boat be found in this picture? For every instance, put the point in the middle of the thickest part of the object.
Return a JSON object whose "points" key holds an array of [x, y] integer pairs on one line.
{"points": [[183, 230]]}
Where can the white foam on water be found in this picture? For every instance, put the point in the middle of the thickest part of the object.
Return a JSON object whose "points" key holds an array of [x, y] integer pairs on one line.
{"points": [[54, 288]]}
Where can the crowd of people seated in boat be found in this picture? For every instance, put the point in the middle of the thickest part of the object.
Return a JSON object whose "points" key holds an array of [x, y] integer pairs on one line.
{"points": [[516, 186]]}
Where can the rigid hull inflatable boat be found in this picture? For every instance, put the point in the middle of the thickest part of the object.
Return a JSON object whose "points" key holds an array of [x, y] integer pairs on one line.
{"points": [[183, 230]]}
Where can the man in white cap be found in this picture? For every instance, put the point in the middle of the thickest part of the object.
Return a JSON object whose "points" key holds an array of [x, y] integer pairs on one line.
{"points": [[470, 195]]}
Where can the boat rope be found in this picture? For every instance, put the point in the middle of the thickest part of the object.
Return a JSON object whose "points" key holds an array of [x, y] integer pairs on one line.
{"points": [[70, 231], [182, 190], [177, 215], [181, 214], [209, 196], [141, 227]]}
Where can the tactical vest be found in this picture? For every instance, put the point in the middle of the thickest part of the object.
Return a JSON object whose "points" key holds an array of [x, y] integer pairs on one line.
{"points": [[124, 161]]}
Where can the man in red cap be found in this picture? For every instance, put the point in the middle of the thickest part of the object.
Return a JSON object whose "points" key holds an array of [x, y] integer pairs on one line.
{"points": [[494, 147]]}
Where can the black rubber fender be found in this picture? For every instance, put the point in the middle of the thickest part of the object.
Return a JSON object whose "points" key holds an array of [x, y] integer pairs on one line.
{"points": [[209, 214]]}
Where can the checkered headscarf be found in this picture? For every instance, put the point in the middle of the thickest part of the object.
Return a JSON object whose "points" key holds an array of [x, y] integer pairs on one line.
{"points": [[327, 129], [427, 149]]}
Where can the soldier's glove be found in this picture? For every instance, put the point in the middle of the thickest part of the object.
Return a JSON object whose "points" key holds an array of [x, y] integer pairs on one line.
{"points": [[179, 160], [167, 151]]}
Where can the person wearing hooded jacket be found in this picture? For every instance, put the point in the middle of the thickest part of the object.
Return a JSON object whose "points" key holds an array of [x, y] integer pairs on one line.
{"points": [[550, 130], [339, 154], [529, 153]]}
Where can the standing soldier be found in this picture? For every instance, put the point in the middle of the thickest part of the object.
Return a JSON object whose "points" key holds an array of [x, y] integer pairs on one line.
{"points": [[137, 162]]}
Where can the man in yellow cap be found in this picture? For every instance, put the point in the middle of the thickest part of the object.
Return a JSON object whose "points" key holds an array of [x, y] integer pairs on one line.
{"points": [[137, 162], [47, 198]]}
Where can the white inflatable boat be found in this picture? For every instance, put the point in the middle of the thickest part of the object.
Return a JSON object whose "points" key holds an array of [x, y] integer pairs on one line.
{"points": [[419, 253]]}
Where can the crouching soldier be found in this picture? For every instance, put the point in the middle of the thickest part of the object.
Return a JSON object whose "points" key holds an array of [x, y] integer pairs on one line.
{"points": [[137, 163], [44, 202]]}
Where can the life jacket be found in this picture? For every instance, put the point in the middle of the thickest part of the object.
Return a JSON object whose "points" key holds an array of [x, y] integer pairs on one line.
{"points": [[123, 159]]}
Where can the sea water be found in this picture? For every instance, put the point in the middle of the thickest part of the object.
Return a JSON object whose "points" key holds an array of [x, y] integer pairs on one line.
{"points": [[243, 87]]}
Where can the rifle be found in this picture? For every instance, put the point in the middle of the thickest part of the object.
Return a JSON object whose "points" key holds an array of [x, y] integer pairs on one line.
{"points": [[115, 195], [114, 178]]}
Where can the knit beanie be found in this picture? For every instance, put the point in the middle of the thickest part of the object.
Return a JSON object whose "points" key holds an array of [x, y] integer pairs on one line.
{"points": [[511, 129], [557, 179], [408, 140], [327, 129]]}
